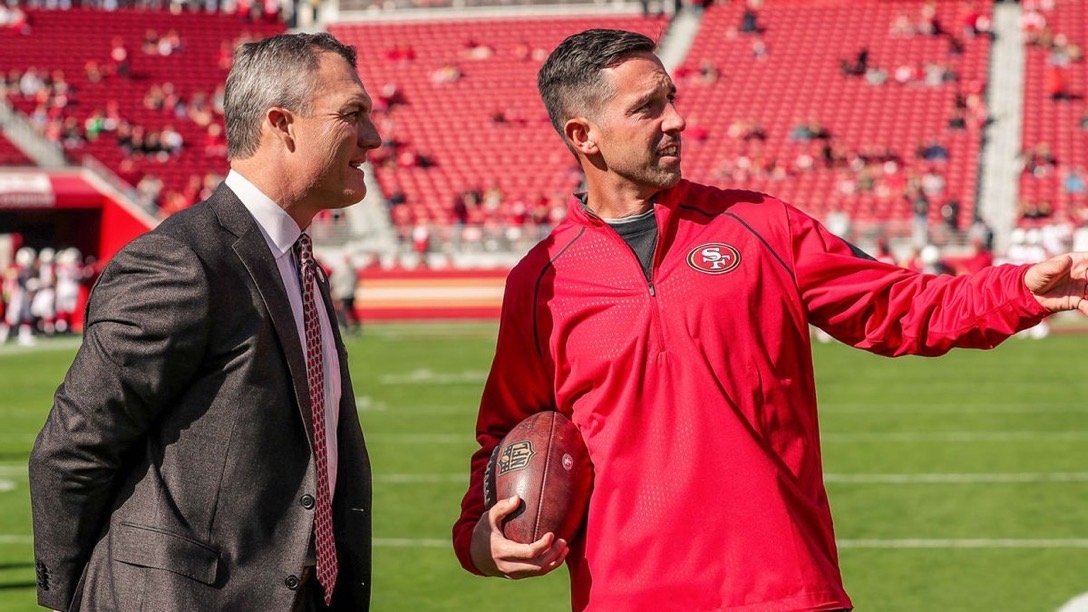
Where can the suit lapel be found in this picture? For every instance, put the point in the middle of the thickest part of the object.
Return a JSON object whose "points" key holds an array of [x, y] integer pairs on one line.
{"points": [[253, 251]]}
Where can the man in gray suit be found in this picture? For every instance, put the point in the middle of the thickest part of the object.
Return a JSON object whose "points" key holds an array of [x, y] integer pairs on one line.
{"points": [[208, 418]]}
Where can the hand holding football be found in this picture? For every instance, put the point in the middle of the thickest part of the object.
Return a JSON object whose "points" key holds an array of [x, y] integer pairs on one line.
{"points": [[544, 461]]}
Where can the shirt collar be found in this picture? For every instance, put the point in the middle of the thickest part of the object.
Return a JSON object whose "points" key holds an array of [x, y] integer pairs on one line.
{"points": [[278, 228]]}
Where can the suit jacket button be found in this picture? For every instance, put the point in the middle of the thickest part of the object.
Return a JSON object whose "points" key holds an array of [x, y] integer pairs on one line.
{"points": [[291, 582], [307, 501]]}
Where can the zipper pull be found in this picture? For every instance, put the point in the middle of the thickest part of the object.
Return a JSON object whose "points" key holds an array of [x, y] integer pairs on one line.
{"points": [[653, 291]]}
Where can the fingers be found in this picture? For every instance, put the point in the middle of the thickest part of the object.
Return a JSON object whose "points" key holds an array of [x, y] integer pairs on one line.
{"points": [[536, 559], [1042, 276], [501, 509], [495, 555]]}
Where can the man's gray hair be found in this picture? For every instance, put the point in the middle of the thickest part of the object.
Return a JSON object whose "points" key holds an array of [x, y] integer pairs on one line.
{"points": [[570, 80], [276, 71]]}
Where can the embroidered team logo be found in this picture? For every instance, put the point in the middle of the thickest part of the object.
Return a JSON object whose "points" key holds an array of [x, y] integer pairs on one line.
{"points": [[516, 456], [714, 258]]}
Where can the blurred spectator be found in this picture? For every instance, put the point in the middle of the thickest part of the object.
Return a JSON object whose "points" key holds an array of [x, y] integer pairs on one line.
{"points": [[400, 53], [475, 50], [901, 26], [119, 57], [1074, 181], [749, 21], [808, 130], [975, 23], [932, 151], [446, 73], [92, 71], [171, 140], [745, 130], [759, 48], [344, 282], [14, 18], [1039, 161], [859, 66], [708, 71], [215, 142], [150, 43], [929, 24], [149, 190], [391, 96], [950, 214]]}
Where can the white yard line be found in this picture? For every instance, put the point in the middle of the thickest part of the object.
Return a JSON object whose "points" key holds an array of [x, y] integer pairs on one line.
{"points": [[967, 543], [20, 471], [836, 438], [954, 478], [1016, 408], [955, 436], [884, 544], [893, 479]]}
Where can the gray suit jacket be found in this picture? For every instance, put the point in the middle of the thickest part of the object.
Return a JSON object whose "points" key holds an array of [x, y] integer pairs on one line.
{"points": [[174, 471]]}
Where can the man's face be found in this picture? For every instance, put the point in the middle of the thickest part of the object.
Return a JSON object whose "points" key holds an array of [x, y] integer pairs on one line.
{"points": [[638, 128], [332, 140]]}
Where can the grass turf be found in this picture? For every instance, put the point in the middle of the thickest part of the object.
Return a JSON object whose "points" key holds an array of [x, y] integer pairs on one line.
{"points": [[957, 483]]}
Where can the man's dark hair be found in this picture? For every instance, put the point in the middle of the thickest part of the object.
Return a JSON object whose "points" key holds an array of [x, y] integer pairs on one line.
{"points": [[276, 71], [570, 80]]}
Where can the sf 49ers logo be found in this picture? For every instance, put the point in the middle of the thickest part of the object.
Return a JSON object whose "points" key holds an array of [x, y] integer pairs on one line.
{"points": [[516, 456], [714, 258]]}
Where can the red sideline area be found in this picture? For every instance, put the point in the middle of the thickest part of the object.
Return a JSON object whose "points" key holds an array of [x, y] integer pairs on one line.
{"points": [[386, 295]]}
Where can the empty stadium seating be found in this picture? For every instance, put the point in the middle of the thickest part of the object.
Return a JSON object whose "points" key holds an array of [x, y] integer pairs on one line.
{"points": [[451, 123], [10, 155], [799, 78]]}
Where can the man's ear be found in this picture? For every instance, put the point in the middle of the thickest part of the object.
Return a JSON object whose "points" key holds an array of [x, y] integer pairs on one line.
{"points": [[280, 122], [581, 135]]}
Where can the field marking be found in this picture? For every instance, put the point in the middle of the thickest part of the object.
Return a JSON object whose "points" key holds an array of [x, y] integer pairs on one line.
{"points": [[951, 409], [41, 345], [966, 543], [420, 478], [831, 477], [885, 544], [903, 436], [955, 436], [890, 544], [427, 376], [954, 478], [413, 543], [6, 485], [421, 438], [9, 470]]}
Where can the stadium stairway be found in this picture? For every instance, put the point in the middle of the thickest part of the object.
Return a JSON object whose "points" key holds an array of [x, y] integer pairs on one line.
{"points": [[999, 180]]}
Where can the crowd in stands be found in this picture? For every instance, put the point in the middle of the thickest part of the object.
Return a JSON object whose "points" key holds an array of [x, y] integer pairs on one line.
{"points": [[269, 10], [143, 141], [42, 292], [151, 139], [1055, 155]]}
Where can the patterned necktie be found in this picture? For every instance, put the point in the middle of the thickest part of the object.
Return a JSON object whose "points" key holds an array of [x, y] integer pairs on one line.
{"points": [[327, 564]]}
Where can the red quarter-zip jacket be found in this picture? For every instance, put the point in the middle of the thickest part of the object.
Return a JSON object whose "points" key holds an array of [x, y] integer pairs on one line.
{"points": [[694, 391]]}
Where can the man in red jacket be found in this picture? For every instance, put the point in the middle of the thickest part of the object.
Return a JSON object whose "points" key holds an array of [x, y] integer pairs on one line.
{"points": [[670, 322]]}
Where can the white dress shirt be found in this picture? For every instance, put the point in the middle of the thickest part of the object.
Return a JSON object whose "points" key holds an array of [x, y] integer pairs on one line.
{"points": [[280, 232]]}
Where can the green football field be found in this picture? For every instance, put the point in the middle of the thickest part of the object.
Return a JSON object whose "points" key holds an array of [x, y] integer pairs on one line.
{"points": [[957, 484]]}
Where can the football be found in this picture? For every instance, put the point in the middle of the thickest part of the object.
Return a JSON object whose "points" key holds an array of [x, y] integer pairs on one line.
{"points": [[544, 461]]}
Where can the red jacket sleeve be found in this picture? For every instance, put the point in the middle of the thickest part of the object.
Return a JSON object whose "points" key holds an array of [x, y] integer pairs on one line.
{"points": [[518, 385], [892, 311]]}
